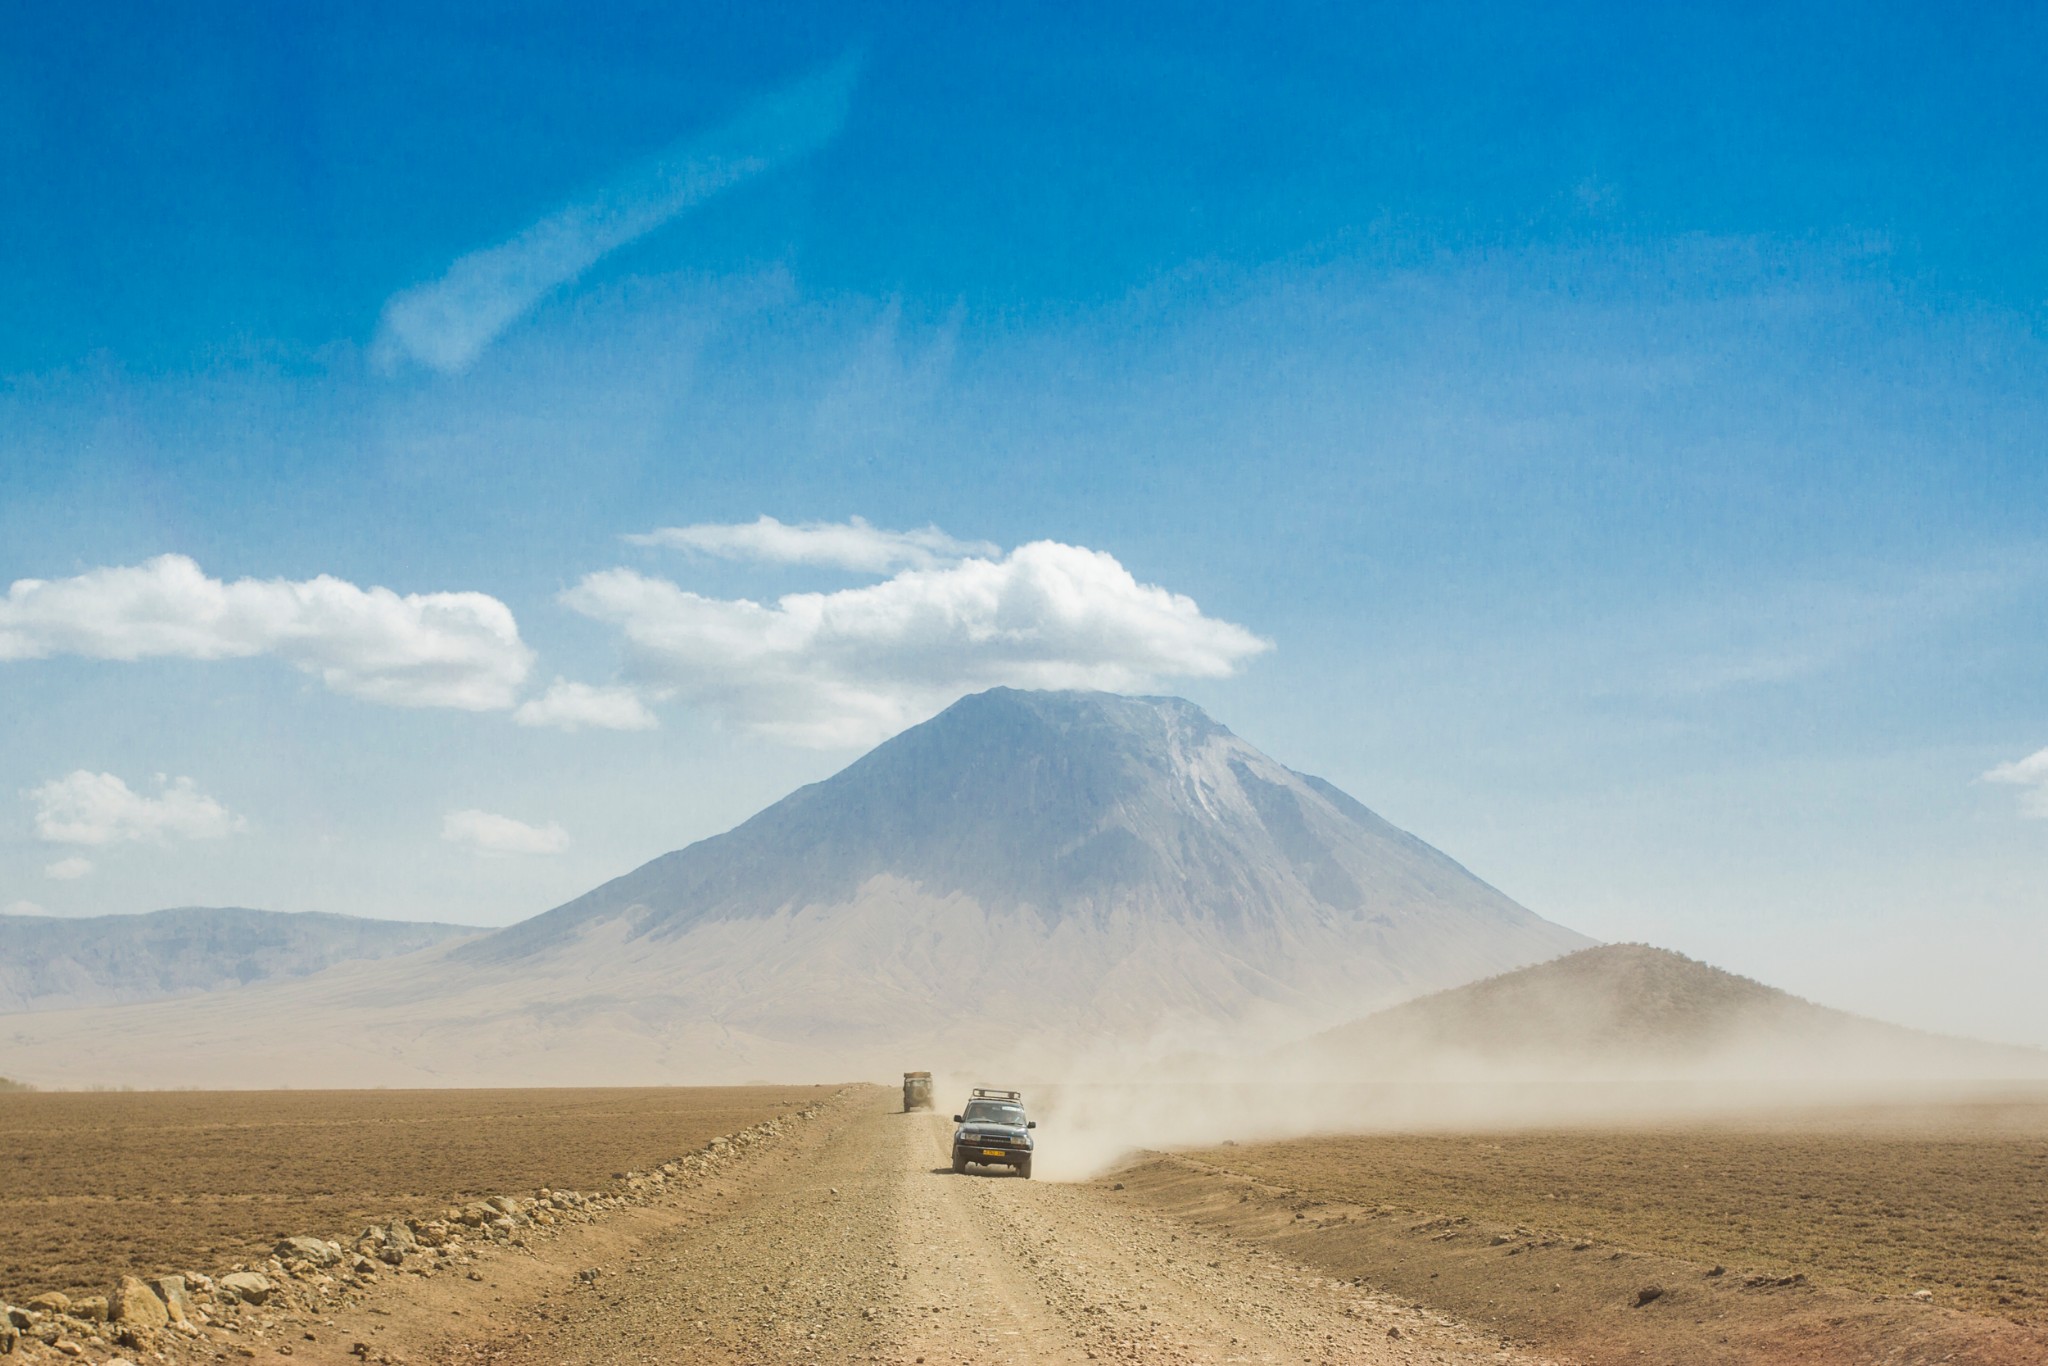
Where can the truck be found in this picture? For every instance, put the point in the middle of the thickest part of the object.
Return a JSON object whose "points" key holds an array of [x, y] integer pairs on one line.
{"points": [[994, 1131], [917, 1091]]}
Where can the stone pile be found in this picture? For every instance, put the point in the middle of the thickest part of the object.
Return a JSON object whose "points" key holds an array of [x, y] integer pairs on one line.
{"points": [[246, 1306]]}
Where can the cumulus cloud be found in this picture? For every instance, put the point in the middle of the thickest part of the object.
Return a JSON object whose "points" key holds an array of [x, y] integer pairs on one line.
{"points": [[418, 650], [489, 833], [851, 544], [98, 808], [851, 667], [448, 322], [68, 869], [22, 908], [2030, 775], [572, 706]]}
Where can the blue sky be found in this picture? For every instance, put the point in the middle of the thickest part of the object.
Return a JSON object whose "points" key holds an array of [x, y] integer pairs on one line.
{"points": [[1610, 442]]}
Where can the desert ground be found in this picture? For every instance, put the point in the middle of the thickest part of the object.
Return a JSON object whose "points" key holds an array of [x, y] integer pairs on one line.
{"points": [[837, 1232], [102, 1183]]}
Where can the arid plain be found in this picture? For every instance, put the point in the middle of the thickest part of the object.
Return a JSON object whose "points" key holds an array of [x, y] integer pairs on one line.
{"points": [[832, 1230]]}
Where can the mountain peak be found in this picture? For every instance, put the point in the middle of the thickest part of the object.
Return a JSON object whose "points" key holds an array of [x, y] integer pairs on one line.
{"points": [[1126, 855]]}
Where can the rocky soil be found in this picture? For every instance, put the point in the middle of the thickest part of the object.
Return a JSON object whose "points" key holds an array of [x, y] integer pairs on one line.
{"points": [[313, 1294], [839, 1235]]}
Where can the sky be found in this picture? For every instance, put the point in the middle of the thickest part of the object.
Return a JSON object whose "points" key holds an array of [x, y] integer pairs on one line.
{"points": [[447, 460]]}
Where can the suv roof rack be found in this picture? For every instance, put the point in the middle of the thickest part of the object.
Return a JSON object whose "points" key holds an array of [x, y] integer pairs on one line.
{"points": [[993, 1093]]}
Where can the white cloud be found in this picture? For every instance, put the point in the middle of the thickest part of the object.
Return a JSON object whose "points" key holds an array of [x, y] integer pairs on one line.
{"points": [[572, 706], [68, 869], [851, 667], [447, 323], [489, 833], [851, 544], [2031, 776], [421, 650], [98, 808], [22, 908]]}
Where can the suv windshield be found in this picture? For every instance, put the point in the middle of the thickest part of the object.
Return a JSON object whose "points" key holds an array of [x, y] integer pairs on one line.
{"points": [[993, 1112]]}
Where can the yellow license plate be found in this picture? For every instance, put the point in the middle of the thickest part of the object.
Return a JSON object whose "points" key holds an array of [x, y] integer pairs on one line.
{"points": [[993, 1152]]}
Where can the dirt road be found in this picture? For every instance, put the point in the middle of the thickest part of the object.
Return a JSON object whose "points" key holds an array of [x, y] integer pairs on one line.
{"points": [[856, 1242]]}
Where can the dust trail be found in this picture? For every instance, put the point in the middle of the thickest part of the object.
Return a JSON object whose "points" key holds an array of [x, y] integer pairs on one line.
{"points": [[1622, 1035]]}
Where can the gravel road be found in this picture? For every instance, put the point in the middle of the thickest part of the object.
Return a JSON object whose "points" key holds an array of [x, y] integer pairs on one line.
{"points": [[856, 1242]]}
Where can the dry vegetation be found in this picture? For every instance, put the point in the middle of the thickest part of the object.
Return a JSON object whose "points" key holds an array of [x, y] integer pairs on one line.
{"points": [[1951, 1200], [96, 1184]]}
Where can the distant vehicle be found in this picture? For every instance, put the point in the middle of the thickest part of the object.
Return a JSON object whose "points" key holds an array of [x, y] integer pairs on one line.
{"points": [[993, 1132], [917, 1091]]}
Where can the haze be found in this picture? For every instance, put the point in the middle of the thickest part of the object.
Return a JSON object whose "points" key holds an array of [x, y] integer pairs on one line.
{"points": [[432, 489]]}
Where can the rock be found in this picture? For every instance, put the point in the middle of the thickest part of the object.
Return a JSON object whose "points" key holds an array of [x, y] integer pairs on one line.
{"points": [[1923, 1294], [92, 1308], [13, 1317], [68, 1347], [10, 1338], [55, 1302], [1393, 1332], [133, 1303], [1649, 1294], [400, 1236], [177, 1300], [252, 1286], [314, 1250]]}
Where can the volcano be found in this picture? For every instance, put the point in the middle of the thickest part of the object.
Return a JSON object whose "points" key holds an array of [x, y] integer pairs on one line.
{"points": [[1097, 861], [1062, 867]]}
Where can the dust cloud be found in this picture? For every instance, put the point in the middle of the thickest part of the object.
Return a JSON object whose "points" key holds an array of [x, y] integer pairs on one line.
{"points": [[1611, 1037]]}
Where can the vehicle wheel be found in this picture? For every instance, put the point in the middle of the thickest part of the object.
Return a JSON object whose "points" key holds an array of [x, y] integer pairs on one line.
{"points": [[1024, 1169], [959, 1165]]}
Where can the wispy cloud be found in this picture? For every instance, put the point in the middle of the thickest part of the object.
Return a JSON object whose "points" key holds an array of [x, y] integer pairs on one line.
{"points": [[574, 706], [2030, 775], [67, 869], [489, 833], [851, 667], [851, 544], [458, 650], [448, 322], [99, 808]]}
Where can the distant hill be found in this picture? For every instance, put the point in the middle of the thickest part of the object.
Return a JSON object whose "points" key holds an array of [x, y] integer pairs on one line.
{"points": [[1630, 1009], [55, 963]]}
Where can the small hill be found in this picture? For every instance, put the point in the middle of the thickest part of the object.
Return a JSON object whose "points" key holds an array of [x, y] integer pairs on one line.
{"points": [[1632, 1009], [55, 963]]}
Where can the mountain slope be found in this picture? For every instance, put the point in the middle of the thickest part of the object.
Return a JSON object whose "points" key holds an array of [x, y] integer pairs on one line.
{"points": [[1092, 859], [1632, 1009], [55, 963], [1026, 875]]}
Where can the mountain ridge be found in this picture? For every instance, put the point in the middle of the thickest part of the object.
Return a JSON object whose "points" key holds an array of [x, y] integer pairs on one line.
{"points": [[61, 963], [1046, 759], [1028, 873]]}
